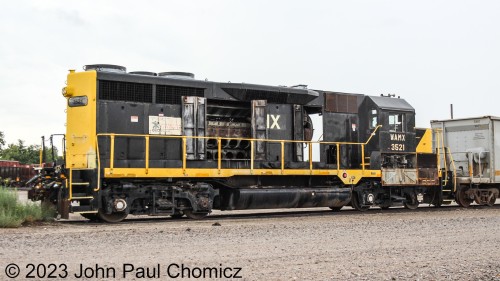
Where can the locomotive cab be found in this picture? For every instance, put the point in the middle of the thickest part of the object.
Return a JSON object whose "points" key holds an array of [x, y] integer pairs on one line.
{"points": [[393, 145], [393, 150]]}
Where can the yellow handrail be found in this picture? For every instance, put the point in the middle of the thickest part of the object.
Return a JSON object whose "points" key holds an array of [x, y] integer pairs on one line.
{"points": [[282, 156], [70, 195], [147, 154], [147, 139]]}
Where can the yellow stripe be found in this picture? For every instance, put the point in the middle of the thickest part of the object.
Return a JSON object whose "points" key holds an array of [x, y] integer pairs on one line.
{"points": [[353, 176]]}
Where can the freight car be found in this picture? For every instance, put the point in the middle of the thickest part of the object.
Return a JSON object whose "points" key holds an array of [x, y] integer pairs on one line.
{"points": [[13, 173], [168, 144], [473, 145]]}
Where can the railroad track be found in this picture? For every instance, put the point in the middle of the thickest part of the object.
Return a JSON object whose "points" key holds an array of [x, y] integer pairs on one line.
{"points": [[267, 214]]}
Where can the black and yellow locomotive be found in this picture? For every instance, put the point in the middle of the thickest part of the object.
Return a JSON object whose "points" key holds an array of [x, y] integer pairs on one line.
{"points": [[145, 143]]}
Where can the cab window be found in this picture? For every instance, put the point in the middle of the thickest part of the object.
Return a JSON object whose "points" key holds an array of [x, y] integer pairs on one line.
{"points": [[373, 119], [396, 122]]}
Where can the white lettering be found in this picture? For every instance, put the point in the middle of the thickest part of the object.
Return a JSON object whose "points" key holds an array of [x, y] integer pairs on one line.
{"points": [[398, 137], [275, 119]]}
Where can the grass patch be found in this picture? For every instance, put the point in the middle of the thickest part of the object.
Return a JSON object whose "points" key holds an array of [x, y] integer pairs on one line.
{"points": [[14, 213]]}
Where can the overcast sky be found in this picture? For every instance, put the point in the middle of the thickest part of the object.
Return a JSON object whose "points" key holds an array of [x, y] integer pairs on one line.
{"points": [[432, 53]]}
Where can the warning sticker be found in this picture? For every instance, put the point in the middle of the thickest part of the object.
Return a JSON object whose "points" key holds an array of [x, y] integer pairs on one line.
{"points": [[160, 125], [134, 119]]}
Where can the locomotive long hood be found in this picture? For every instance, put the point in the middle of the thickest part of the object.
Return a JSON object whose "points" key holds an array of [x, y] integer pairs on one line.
{"points": [[248, 92]]}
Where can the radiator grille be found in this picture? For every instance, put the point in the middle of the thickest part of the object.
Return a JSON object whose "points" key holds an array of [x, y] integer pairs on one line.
{"points": [[342, 103], [125, 91], [172, 94]]}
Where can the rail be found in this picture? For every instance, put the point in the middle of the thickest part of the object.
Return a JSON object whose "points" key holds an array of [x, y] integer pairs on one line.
{"points": [[184, 161]]}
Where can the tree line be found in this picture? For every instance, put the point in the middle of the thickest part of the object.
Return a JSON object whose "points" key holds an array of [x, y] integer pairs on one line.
{"points": [[25, 154]]}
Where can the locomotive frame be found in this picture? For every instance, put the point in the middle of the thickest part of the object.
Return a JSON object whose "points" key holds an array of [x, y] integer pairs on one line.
{"points": [[167, 144]]}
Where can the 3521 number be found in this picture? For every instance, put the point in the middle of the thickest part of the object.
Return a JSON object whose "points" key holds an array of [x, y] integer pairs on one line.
{"points": [[397, 146]]}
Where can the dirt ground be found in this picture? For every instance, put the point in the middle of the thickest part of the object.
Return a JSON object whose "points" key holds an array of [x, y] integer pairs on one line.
{"points": [[449, 243]]}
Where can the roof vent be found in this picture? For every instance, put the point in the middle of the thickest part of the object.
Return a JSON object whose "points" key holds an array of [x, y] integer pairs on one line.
{"points": [[177, 75], [105, 67], [146, 73], [300, 86]]}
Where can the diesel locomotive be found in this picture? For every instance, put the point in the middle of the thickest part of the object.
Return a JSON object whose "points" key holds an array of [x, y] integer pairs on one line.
{"points": [[144, 143]]}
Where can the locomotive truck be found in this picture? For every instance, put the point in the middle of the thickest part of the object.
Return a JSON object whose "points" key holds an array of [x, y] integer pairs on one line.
{"points": [[145, 143]]}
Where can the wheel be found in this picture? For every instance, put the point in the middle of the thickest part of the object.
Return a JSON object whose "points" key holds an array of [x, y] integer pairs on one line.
{"points": [[195, 216], [356, 204], [385, 207], [462, 199], [336, 209], [411, 201], [90, 216], [492, 200], [177, 215], [113, 217]]}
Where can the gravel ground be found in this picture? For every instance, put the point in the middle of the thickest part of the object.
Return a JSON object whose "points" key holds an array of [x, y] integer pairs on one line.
{"points": [[449, 243]]}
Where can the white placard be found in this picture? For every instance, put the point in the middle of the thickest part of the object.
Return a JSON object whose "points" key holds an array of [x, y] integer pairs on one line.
{"points": [[161, 125]]}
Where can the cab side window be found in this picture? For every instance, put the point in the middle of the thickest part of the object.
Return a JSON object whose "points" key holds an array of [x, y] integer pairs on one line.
{"points": [[396, 122], [373, 119]]}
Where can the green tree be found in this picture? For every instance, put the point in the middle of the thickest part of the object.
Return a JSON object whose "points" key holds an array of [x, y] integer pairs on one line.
{"points": [[26, 154], [2, 140], [21, 152]]}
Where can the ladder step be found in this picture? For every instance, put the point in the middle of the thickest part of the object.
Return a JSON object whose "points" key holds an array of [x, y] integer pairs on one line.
{"points": [[80, 183], [82, 198], [85, 212]]}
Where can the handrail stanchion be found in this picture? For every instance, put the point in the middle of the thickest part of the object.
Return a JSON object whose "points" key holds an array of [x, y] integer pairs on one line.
{"points": [[363, 157], [219, 154], [184, 155], [338, 158], [282, 157], [70, 196], [147, 154], [98, 164], [112, 153], [251, 156], [310, 156]]}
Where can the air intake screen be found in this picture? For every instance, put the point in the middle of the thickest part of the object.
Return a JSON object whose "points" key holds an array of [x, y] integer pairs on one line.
{"points": [[342, 103], [172, 94], [125, 91]]}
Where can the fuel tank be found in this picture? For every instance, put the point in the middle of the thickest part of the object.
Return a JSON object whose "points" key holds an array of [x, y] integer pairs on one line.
{"points": [[275, 198]]}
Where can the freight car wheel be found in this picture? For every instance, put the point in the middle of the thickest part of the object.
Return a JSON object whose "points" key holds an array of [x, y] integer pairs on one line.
{"points": [[195, 216], [492, 200], [113, 217], [411, 201], [462, 199], [356, 204]]}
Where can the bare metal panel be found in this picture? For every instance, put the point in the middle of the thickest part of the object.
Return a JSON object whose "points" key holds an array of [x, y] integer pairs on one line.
{"points": [[193, 123], [259, 127], [399, 177], [298, 132]]}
